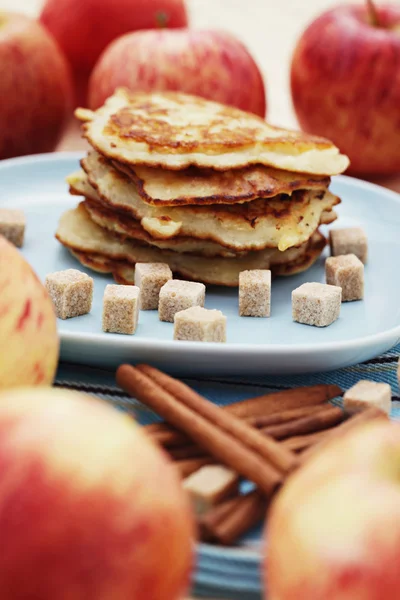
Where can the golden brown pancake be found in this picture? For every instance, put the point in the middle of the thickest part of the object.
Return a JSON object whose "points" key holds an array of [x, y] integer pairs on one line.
{"points": [[281, 222], [174, 131], [130, 228], [79, 233], [206, 186]]}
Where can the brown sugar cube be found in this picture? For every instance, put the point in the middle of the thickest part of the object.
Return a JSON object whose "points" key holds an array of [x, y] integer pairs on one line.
{"points": [[316, 304], [71, 292], [12, 226], [177, 295], [255, 293], [351, 240], [150, 277], [198, 324], [210, 485], [367, 394], [347, 272], [121, 309]]}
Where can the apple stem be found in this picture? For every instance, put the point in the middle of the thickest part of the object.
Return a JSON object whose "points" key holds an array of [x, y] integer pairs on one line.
{"points": [[373, 13]]}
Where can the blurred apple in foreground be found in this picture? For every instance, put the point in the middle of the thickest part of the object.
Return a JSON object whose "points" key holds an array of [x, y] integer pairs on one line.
{"points": [[212, 64], [84, 28], [334, 530], [345, 81], [35, 87], [89, 508], [28, 331]]}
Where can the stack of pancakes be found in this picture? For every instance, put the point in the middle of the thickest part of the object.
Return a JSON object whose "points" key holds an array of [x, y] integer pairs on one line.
{"points": [[208, 189]]}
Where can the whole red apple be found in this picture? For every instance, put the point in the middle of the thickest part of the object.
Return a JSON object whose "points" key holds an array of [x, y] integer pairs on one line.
{"points": [[35, 87], [345, 80], [334, 529], [212, 64], [84, 28], [29, 342], [90, 509]]}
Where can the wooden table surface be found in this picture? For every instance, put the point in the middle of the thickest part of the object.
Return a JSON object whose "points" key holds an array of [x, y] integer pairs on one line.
{"points": [[269, 29]]}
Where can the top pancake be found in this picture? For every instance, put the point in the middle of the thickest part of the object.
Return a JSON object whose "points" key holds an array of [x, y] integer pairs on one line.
{"points": [[174, 131]]}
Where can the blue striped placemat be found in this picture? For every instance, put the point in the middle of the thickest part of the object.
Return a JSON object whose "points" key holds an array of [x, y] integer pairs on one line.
{"points": [[224, 390]]}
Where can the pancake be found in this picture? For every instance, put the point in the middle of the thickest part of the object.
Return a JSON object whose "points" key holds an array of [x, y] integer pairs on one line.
{"points": [[175, 131], [206, 186], [99, 263], [124, 272], [281, 222], [79, 233], [130, 228]]}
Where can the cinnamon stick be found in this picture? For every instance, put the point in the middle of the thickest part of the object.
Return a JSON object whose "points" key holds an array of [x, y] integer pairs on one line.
{"points": [[299, 443], [186, 452], [319, 418], [329, 416], [284, 416], [259, 407], [228, 521], [263, 445], [171, 438], [295, 398], [217, 435], [207, 522]]}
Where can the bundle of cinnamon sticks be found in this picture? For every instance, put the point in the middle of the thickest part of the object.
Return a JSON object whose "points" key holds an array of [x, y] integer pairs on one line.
{"points": [[262, 439]]}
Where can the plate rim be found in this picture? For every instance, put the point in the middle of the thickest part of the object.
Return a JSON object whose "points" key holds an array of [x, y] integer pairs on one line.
{"points": [[228, 349]]}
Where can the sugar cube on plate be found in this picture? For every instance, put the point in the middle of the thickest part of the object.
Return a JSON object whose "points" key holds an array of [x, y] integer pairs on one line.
{"points": [[177, 295], [366, 394], [121, 309], [150, 277], [316, 304], [351, 240], [198, 324], [71, 292], [12, 226], [255, 293], [347, 272]]}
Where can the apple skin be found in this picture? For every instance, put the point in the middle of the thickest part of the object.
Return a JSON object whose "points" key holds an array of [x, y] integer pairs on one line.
{"points": [[29, 343], [334, 529], [212, 64], [84, 28], [345, 83], [35, 88], [89, 507]]}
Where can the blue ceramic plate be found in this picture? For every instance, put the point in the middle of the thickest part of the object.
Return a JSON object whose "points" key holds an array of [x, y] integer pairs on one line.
{"points": [[260, 346]]}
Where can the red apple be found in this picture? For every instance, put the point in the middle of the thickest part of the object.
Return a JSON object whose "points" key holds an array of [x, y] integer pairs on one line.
{"points": [[35, 87], [212, 64], [334, 529], [84, 28], [28, 330], [345, 80], [90, 509]]}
